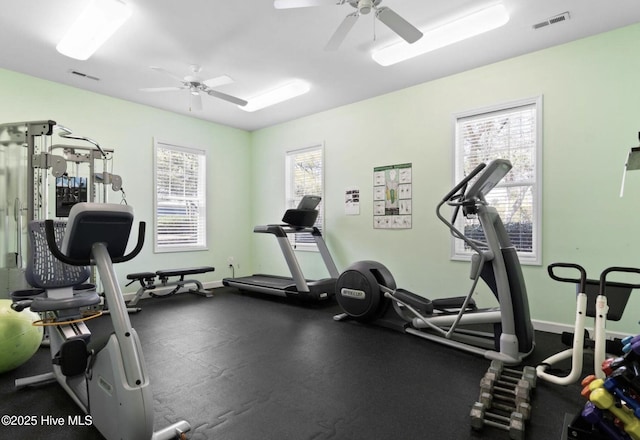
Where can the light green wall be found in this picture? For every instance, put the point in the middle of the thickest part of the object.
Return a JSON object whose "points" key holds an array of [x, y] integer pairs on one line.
{"points": [[591, 118], [130, 129]]}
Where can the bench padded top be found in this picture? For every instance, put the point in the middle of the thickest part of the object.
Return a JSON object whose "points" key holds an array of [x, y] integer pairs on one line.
{"points": [[170, 273], [186, 271]]}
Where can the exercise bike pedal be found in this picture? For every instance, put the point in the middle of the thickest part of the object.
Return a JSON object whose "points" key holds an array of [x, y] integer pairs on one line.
{"points": [[72, 357]]}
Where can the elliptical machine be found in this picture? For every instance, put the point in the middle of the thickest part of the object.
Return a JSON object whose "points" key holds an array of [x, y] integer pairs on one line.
{"points": [[367, 292], [107, 379]]}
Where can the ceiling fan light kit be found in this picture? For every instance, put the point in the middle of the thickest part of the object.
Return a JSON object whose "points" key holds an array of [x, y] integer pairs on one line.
{"points": [[365, 6], [99, 21], [465, 27], [275, 96]]}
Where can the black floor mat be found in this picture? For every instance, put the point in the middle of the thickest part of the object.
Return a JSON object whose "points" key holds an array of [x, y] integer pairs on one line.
{"points": [[241, 367]]}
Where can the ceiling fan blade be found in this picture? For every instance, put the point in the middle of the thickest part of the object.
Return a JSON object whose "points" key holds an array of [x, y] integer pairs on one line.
{"points": [[161, 89], [166, 72], [340, 34], [287, 4], [398, 24], [195, 102], [218, 81], [224, 96]]}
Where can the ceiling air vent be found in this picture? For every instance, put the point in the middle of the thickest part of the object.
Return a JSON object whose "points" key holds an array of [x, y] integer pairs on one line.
{"points": [[83, 75], [552, 20]]}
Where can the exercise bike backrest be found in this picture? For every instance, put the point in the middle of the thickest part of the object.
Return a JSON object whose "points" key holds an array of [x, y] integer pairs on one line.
{"points": [[91, 223], [43, 271]]}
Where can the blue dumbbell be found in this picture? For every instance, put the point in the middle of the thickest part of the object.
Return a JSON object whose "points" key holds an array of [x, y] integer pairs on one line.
{"points": [[611, 385]]}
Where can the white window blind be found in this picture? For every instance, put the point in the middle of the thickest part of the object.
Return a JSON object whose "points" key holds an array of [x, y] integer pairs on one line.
{"points": [[305, 176], [180, 202], [513, 132]]}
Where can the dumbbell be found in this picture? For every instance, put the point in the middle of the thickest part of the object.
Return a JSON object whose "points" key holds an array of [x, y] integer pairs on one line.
{"points": [[523, 408], [590, 383], [511, 384], [518, 393], [513, 424], [629, 375], [604, 400], [512, 375], [629, 343], [594, 416], [610, 365], [611, 385]]}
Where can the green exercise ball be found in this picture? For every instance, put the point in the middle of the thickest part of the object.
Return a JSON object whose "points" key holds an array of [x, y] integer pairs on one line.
{"points": [[19, 338]]}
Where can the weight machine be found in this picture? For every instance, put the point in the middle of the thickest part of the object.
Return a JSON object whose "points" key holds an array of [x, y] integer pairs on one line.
{"points": [[30, 164]]}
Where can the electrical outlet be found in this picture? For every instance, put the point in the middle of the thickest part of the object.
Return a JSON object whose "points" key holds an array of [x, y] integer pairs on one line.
{"points": [[230, 261]]}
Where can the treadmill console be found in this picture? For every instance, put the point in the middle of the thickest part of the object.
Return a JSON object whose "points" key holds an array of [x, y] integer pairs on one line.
{"points": [[305, 215], [309, 202]]}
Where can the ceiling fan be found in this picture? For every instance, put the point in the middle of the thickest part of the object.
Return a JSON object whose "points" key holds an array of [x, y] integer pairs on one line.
{"points": [[386, 15], [196, 85]]}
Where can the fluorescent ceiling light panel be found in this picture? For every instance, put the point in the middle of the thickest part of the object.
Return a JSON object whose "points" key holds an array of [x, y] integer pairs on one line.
{"points": [[283, 93], [468, 26], [93, 27]]}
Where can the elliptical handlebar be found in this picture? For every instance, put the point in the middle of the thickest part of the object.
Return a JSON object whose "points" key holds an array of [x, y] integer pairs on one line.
{"points": [[455, 194], [55, 250], [463, 182]]}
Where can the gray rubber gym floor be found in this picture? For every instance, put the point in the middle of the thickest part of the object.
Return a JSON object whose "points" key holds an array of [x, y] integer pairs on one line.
{"points": [[243, 367]]}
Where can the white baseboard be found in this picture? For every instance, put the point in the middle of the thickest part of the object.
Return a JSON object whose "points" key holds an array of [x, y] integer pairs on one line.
{"points": [[555, 327]]}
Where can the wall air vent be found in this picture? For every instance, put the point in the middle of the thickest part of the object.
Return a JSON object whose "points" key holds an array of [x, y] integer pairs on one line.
{"points": [[552, 20], [83, 75]]}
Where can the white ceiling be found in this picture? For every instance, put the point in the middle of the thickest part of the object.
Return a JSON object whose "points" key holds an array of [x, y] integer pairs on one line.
{"points": [[261, 47]]}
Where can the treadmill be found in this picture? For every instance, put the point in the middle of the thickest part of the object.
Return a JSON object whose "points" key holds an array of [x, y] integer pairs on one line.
{"points": [[296, 221]]}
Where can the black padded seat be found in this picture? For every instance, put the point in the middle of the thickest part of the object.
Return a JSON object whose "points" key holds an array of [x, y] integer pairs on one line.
{"points": [[182, 272]]}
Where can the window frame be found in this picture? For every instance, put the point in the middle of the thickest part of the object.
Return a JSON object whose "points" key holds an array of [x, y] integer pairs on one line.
{"points": [[201, 234], [526, 258], [291, 201]]}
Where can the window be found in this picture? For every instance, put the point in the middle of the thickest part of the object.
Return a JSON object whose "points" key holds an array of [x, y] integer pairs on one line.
{"points": [[180, 203], [514, 132], [305, 176]]}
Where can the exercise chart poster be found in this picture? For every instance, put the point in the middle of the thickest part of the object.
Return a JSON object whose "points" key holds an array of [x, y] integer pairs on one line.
{"points": [[392, 196]]}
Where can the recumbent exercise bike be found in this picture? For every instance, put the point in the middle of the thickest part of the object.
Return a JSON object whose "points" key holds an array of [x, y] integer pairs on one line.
{"points": [[107, 379]]}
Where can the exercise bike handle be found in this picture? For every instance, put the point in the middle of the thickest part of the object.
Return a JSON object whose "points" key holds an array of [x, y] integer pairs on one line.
{"points": [[464, 181], [55, 250], [582, 281], [608, 270]]}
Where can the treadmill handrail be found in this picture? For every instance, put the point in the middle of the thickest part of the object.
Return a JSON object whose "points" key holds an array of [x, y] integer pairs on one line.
{"points": [[281, 232]]}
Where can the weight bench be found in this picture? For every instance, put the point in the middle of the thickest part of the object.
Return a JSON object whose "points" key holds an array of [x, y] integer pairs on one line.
{"points": [[148, 283]]}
